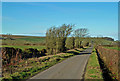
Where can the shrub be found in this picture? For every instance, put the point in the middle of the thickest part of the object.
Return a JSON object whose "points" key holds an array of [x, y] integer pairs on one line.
{"points": [[70, 43], [81, 47], [43, 51], [30, 52], [11, 55]]}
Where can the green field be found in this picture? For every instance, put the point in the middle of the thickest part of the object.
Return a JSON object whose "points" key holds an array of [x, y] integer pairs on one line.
{"points": [[116, 48], [98, 41], [32, 39], [23, 40]]}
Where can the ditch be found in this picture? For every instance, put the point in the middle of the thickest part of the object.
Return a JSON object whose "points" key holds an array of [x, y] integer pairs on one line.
{"points": [[105, 71]]}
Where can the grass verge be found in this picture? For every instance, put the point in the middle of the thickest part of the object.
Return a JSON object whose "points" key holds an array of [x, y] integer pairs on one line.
{"points": [[93, 70]]}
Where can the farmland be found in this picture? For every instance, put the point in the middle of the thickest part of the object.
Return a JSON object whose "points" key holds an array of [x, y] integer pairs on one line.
{"points": [[39, 43], [30, 58], [24, 42], [21, 40], [116, 48]]}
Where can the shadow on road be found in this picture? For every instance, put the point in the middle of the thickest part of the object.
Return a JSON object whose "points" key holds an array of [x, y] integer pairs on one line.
{"points": [[85, 51], [75, 53], [78, 50]]}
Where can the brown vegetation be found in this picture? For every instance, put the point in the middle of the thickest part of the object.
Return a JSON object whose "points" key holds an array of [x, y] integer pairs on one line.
{"points": [[14, 55], [110, 58]]}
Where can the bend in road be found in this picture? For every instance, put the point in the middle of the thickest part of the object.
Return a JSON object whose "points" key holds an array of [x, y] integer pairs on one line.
{"points": [[71, 68]]}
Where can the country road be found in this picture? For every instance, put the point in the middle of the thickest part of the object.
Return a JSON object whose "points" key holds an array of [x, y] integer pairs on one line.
{"points": [[71, 68]]}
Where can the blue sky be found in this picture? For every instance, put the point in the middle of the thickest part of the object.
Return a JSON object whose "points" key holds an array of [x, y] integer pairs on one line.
{"points": [[101, 18], [60, 0]]}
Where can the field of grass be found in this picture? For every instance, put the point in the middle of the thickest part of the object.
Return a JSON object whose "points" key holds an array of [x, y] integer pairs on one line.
{"points": [[93, 70], [22, 40], [98, 41], [116, 48]]}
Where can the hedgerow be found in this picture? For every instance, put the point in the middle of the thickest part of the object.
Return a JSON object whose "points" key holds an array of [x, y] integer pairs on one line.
{"points": [[11, 56], [110, 58]]}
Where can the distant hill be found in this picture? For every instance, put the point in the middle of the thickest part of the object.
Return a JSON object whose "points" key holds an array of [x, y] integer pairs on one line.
{"points": [[20, 36]]}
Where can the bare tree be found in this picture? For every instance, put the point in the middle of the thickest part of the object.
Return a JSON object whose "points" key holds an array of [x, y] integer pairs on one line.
{"points": [[82, 32], [79, 34]]}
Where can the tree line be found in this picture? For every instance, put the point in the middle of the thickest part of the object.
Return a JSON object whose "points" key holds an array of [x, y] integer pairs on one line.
{"points": [[57, 39]]}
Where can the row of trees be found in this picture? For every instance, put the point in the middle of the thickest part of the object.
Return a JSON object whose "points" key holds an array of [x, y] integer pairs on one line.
{"points": [[57, 38]]}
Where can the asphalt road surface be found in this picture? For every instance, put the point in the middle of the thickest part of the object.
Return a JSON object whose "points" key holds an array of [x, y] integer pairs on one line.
{"points": [[71, 68]]}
